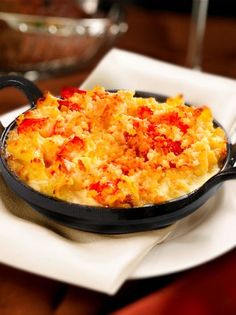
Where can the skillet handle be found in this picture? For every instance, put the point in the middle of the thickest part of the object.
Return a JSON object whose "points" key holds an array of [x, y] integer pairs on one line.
{"points": [[230, 171], [232, 154], [215, 181], [232, 137], [31, 91], [227, 174]]}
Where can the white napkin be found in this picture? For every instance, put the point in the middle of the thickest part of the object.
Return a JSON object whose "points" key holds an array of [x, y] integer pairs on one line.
{"points": [[99, 262], [103, 262]]}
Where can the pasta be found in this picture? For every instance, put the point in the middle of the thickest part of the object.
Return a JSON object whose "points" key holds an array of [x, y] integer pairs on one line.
{"points": [[114, 149]]}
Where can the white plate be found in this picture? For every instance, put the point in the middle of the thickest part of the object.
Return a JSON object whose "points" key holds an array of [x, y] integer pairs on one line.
{"points": [[214, 235]]}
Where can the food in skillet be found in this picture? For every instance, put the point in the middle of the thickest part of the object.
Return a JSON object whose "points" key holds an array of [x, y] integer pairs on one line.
{"points": [[113, 149]]}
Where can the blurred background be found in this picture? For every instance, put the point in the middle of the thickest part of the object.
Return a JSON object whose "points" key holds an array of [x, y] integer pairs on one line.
{"points": [[43, 38]]}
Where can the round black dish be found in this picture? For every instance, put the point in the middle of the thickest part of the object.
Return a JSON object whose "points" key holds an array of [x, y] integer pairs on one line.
{"points": [[107, 219]]}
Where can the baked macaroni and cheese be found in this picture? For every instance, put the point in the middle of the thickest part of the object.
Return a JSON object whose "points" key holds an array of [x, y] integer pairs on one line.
{"points": [[113, 149]]}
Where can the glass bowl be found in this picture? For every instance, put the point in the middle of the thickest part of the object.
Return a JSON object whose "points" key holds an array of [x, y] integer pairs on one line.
{"points": [[40, 38]]}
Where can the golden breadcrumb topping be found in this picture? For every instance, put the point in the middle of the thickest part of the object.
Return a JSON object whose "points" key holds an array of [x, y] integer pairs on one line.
{"points": [[113, 149]]}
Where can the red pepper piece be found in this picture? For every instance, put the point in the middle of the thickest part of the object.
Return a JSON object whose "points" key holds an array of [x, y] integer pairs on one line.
{"points": [[69, 105], [109, 187], [167, 145], [127, 136], [182, 126], [174, 119], [144, 112], [68, 91], [73, 145], [31, 124], [151, 130], [172, 164], [125, 170], [136, 124], [98, 187], [77, 141], [174, 146]]}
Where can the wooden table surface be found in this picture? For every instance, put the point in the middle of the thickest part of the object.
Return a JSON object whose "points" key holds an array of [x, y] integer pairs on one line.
{"points": [[161, 35]]}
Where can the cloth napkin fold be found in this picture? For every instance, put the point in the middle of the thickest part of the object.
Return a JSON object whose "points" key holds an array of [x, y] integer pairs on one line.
{"points": [[99, 262], [103, 262]]}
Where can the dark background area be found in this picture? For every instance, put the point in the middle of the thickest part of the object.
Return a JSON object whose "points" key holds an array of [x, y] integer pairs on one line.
{"points": [[216, 7]]}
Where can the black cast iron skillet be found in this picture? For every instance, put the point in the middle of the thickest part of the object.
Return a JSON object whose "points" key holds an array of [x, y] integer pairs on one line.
{"points": [[107, 219]]}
